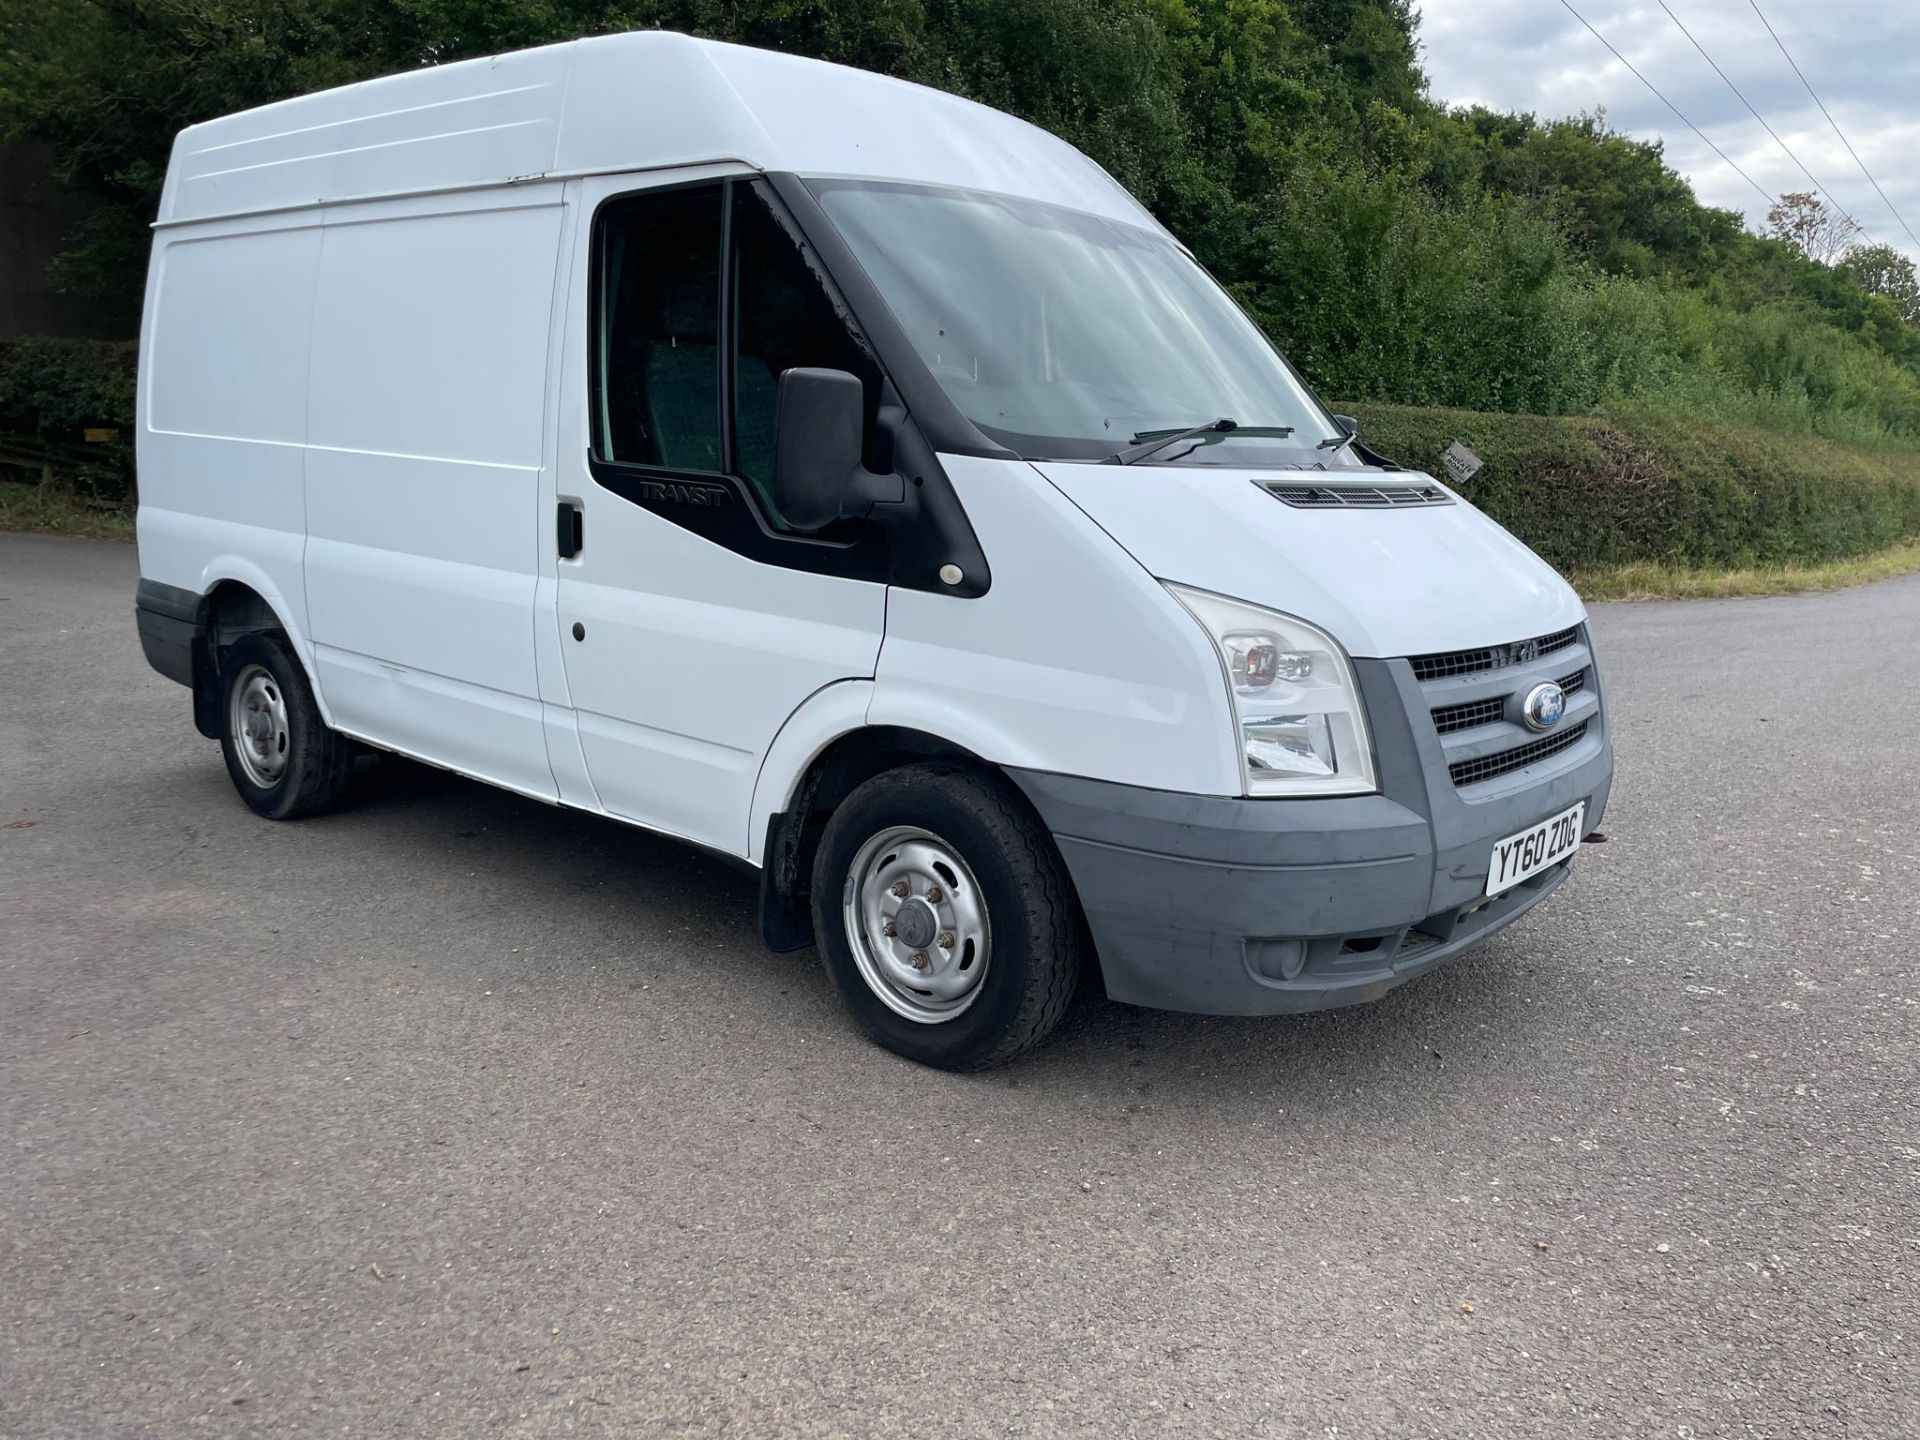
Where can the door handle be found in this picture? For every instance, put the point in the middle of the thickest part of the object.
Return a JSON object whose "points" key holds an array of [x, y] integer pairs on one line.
{"points": [[571, 528]]}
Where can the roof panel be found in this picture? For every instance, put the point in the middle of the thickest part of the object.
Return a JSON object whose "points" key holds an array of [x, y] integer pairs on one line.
{"points": [[438, 128], [617, 103]]}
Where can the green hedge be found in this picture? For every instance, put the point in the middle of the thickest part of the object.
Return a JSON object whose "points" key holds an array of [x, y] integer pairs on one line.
{"points": [[1583, 491], [52, 392], [1588, 492]]}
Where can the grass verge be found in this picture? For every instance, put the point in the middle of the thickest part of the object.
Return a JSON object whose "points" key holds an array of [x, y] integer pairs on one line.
{"points": [[1651, 581], [57, 510]]}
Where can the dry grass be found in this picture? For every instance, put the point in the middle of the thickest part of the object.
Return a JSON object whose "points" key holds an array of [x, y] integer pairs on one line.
{"points": [[1675, 582], [54, 509]]}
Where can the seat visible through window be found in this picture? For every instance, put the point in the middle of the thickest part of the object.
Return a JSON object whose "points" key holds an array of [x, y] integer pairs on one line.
{"points": [[660, 283]]}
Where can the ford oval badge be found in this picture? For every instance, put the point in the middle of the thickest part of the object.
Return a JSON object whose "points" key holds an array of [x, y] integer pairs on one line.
{"points": [[1544, 706]]}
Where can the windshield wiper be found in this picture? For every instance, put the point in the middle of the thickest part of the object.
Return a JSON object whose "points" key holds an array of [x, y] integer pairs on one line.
{"points": [[1149, 442], [1349, 429]]}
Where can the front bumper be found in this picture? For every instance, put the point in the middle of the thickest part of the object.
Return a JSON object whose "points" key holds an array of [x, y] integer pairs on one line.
{"points": [[1247, 907]]}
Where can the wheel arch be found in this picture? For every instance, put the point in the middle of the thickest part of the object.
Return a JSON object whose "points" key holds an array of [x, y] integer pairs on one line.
{"points": [[788, 836], [237, 601]]}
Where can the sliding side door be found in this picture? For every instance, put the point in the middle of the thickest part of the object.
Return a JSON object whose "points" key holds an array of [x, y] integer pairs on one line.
{"points": [[425, 436]]}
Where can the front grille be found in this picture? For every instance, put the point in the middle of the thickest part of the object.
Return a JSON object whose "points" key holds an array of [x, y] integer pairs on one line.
{"points": [[1492, 657], [1315, 497], [1470, 772], [1449, 718], [1482, 692], [1469, 713]]}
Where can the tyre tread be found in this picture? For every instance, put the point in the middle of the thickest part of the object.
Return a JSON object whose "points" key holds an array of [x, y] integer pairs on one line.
{"points": [[324, 758], [1052, 909]]}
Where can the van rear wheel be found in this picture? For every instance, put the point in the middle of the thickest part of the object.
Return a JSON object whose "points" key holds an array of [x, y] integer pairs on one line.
{"points": [[280, 754], [945, 917]]}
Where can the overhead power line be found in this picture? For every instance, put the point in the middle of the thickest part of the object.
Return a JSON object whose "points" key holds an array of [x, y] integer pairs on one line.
{"points": [[1835, 123], [1832, 199], [1668, 103]]}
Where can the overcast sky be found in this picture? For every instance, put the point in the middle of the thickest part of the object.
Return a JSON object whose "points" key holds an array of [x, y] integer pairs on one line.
{"points": [[1863, 57]]}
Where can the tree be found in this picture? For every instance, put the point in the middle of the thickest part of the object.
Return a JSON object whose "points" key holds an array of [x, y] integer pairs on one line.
{"points": [[1615, 197], [1883, 270], [1397, 248], [109, 82], [1811, 226]]}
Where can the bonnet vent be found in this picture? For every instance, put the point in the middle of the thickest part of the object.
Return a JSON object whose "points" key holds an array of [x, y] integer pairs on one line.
{"points": [[1349, 496]]}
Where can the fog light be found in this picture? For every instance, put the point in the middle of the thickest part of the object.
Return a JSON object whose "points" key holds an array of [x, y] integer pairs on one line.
{"points": [[1277, 959]]}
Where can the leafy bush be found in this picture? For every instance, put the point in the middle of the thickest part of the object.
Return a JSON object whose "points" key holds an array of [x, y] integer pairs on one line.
{"points": [[1586, 491], [1378, 289], [52, 392]]}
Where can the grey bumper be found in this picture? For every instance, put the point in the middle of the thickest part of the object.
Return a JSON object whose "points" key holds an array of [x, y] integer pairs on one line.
{"points": [[1244, 907]]}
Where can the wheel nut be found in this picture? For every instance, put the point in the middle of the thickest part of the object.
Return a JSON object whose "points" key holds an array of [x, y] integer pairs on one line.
{"points": [[900, 889], [945, 942], [934, 895], [919, 959], [887, 929]]}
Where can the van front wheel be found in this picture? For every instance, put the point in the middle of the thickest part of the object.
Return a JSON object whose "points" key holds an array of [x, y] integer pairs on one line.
{"points": [[945, 917], [280, 754]]}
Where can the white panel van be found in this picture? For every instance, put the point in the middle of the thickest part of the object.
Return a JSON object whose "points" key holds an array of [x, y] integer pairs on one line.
{"points": [[855, 482]]}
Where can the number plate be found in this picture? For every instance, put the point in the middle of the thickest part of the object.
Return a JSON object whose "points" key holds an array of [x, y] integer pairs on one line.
{"points": [[1533, 850]]}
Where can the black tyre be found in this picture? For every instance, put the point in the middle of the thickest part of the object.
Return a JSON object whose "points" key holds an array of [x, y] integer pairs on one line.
{"points": [[282, 758], [945, 917]]}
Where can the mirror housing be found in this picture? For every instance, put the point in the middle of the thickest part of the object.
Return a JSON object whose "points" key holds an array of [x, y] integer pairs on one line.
{"points": [[1347, 423], [817, 443]]}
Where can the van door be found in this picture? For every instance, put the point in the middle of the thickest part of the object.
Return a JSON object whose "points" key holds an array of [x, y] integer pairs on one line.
{"points": [[426, 428], [694, 620]]}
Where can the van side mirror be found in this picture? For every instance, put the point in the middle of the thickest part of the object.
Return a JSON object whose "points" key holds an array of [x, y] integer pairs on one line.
{"points": [[1347, 423], [816, 447]]}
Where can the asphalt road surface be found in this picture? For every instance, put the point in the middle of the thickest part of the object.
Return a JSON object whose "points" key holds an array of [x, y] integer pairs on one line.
{"points": [[456, 1115]]}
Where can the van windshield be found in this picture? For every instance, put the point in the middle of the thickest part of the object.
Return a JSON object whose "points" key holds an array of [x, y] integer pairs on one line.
{"points": [[1064, 335]]}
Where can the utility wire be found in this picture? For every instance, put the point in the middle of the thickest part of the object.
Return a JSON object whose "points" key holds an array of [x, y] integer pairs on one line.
{"points": [[1824, 190], [1668, 103], [1835, 123]]}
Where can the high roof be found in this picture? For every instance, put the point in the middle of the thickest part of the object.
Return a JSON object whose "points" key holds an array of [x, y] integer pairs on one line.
{"points": [[643, 101]]}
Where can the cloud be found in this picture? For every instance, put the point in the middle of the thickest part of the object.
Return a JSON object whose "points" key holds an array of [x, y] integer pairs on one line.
{"points": [[1863, 56]]}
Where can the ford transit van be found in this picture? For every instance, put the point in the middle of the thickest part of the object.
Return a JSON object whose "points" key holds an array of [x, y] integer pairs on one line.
{"points": [[855, 482]]}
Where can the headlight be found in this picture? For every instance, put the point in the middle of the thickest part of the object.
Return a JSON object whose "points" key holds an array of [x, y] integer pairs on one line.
{"points": [[1301, 727]]}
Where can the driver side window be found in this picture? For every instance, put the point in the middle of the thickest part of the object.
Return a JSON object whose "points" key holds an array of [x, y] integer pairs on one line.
{"points": [[659, 337]]}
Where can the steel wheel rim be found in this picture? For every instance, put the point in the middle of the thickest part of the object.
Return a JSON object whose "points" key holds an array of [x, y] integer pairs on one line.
{"points": [[924, 951], [257, 721]]}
